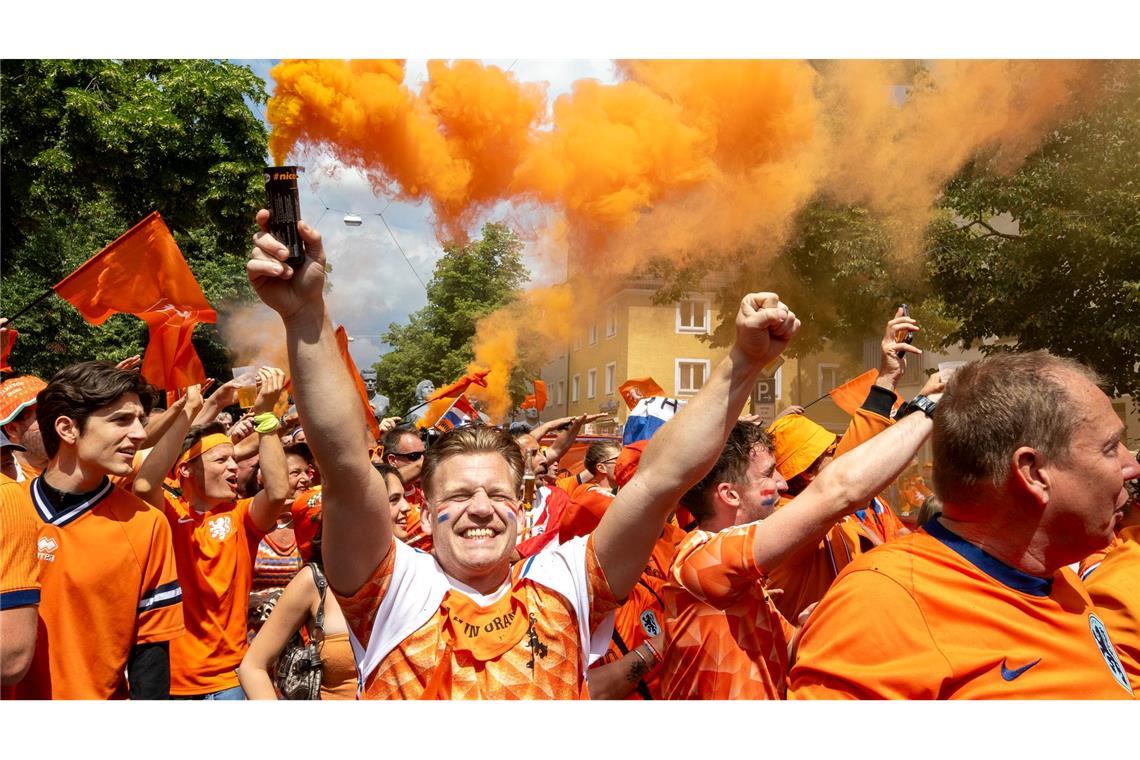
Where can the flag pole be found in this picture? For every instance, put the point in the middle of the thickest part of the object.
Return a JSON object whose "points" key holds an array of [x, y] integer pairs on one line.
{"points": [[29, 307]]}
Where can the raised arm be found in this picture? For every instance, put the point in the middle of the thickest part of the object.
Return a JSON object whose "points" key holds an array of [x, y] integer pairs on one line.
{"points": [[357, 531], [686, 447], [270, 500], [147, 484], [841, 487]]}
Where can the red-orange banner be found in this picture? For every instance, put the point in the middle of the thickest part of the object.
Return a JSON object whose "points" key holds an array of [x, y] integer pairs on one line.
{"points": [[143, 273], [637, 388], [369, 415]]}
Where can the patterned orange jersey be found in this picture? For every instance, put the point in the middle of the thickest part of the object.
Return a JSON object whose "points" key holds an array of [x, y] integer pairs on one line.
{"points": [[109, 582], [724, 638], [806, 574], [306, 514], [642, 615], [398, 628], [931, 616], [19, 531], [215, 552], [1113, 584], [587, 504]]}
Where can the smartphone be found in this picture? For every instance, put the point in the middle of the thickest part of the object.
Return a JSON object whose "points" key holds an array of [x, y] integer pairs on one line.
{"points": [[904, 336]]}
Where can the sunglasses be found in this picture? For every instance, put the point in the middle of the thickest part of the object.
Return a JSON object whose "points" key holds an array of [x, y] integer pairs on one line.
{"points": [[411, 456]]}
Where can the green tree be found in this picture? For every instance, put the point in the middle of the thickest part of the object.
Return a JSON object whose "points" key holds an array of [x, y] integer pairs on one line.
{"points": [[1050, 256], [90, 147], [469, 282]]}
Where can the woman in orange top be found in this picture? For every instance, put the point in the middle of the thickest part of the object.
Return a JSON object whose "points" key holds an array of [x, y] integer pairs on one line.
{"points": [[298, 606]]}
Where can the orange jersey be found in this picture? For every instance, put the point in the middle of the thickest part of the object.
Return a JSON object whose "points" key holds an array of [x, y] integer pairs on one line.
{"points": [[19, 531], [568, 484], [306, 514], [806, 574], [1114, 586], [724, 637], [400, 628], [931, 616], [587, 504], [109, 582], [215, 552], [642, 615]]}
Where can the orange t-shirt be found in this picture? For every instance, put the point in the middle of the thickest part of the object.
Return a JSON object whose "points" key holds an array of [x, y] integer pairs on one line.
{"points": [[724, 638], [931, 616], [806, 574], [215, 552], [587, 504], [19, 531], [642, 615], [400, 641], [1114, 587], [306, 514], [109, 582]]}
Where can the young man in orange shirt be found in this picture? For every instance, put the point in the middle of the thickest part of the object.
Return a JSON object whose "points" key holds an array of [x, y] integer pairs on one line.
{"points": [[463, 622], [590, 500], [215, 537], [111, 599], [1030, 467], [725, 639], [19, 578]]}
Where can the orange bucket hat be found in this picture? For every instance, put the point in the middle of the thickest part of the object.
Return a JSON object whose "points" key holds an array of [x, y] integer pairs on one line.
{"points": [[17, 394], [798, 443]]}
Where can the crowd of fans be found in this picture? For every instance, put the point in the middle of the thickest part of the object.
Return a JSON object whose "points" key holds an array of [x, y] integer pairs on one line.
{"points": [[198, 552]]}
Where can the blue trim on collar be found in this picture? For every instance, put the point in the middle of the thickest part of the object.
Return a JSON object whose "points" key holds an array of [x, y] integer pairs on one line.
{"points": [[989, 564], [62, 516]]}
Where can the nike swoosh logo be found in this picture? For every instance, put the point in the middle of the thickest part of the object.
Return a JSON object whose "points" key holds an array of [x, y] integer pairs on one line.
{"points": [[1009, 675], [185, 520]]}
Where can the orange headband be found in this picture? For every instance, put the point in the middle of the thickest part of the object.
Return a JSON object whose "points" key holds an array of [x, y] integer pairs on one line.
{"points": [[201, 446]]}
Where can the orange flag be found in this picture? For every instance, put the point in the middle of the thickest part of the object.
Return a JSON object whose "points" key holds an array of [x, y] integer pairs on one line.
{"points": [[8, 337], [369, 415], [143, 273], [637, 388], [537, 400], [457, 389], [851, 395]]}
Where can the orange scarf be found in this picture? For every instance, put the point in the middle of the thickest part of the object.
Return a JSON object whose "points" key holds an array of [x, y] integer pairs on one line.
{"points": [[485, 633]]}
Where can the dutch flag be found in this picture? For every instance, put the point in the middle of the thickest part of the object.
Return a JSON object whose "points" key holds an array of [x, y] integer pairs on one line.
{"points": [[460, 413]]}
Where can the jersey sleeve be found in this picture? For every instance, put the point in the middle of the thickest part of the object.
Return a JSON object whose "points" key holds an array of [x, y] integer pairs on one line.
{"points": [[19, 531], [360, 608], [867, 639], [717, 568], [160, 599], [872, 418]]}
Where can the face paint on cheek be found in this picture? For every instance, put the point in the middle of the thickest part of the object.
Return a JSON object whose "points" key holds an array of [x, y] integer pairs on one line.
{"points": [[442, 517], [768, 497]]}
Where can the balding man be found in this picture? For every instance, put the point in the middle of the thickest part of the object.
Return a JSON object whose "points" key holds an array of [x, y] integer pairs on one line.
{"points": [[1030, 466]]}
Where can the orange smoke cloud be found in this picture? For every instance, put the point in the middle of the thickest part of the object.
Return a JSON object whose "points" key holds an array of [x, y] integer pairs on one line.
{"points": [[684, 159]]}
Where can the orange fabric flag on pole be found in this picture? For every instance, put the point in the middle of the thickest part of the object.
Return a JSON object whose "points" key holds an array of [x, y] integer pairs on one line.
{"points": [[536, 400], [369, 415], [143, 273], [457, 389], [7, 340], [637, 388], [851, 395]]}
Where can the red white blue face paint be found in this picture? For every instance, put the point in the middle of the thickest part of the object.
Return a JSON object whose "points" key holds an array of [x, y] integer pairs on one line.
{"points": [[769, 497]]}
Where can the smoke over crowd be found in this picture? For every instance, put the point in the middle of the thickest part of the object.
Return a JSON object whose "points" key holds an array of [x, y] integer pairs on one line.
{"points": [[679, 158]]}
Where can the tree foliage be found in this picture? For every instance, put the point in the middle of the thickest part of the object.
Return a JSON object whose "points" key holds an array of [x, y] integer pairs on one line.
{"points": [[469, 282], [89, 148], [1066, 275]]}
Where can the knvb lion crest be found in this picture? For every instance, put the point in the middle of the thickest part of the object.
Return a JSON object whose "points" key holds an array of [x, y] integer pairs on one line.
{"points": [[221, 527]]}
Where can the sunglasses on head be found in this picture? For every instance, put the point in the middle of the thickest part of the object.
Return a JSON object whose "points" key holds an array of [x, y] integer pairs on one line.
{"points": [[411, 456]]}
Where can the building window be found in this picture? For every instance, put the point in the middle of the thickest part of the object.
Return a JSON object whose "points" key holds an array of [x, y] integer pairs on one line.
{"points": [[575, 383], [611, 372], [693, 316], [591, 383], [593, 334], [611, 321], [828, 377], [690, 375], [577, 341], [559, 392]]}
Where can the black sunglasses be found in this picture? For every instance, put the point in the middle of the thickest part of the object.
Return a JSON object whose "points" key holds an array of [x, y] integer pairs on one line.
{"points": [[411, 456]]}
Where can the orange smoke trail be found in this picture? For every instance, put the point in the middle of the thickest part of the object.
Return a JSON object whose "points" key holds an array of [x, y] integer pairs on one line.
{"points": [[684, 159]]}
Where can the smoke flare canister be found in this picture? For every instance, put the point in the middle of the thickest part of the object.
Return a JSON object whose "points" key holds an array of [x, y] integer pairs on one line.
{"points": [[285, 210]]}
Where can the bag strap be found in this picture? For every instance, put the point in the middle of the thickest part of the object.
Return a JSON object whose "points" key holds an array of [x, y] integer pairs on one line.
{"points": [[322, 586]]}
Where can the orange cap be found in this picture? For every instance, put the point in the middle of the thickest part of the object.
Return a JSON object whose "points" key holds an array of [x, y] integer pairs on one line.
{"points": [[798, 443], [627, 462], [17, 394]]}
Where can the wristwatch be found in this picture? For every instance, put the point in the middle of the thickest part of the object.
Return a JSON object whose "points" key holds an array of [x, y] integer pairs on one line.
{"points": [[919, 403]]}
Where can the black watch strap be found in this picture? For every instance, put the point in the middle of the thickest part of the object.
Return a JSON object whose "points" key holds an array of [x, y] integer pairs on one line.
{"points": [[919, 403]]}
